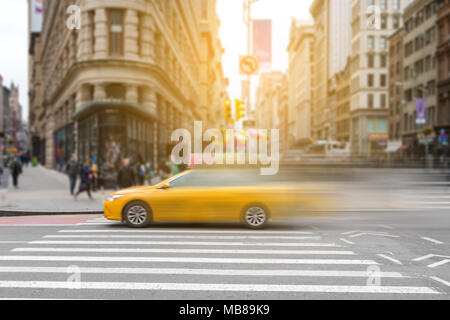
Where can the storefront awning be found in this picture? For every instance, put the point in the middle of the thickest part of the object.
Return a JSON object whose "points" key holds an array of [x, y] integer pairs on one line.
{"points": [[393, 146], [104, 104]]}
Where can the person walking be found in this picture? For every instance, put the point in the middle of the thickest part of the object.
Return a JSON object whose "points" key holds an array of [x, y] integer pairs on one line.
{"points": [[141, 171], [126, 177], [94, 175], [150, 173], [72, 170], [16, 170], [85, 184]]}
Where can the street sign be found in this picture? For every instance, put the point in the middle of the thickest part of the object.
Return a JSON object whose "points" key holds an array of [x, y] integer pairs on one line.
{"points": [[248, 65], [443, 137]]}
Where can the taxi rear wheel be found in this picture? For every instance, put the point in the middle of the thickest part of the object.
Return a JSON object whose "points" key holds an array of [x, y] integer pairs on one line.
{"points": [[255, 216], [137, 214]]}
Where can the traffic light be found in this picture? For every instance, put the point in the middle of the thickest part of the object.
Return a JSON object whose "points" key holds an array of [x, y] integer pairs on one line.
{"points": [[228, 110], [240, 109]]}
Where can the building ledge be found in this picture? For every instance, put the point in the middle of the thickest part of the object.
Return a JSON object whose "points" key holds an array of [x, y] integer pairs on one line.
{"points": [[102, 104]]}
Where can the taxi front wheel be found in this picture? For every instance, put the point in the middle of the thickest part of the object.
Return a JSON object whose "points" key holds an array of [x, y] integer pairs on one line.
{"points": [[255, 216], [137, 214]]}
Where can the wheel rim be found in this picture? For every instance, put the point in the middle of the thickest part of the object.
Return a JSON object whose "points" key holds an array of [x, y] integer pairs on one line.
{"points": [[137, 215], [255, 216]]}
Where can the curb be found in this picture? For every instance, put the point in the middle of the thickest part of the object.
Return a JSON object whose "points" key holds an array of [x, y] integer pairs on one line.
{"points": [[24, 213]]}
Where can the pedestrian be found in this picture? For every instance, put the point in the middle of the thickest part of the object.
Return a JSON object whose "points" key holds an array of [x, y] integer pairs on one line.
{"points": [[72, 170], [16, 170], [174, 169], [94, 175], [141, 171], [164, 170], [126, 177], [85, 181], [150, 173]]}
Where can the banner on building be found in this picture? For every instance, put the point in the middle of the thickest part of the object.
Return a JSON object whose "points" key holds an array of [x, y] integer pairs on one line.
{"points": [[262, 42], [36, 11], [421, 111]]}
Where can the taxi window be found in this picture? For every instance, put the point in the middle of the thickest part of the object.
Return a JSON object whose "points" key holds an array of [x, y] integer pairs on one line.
{"points": [[216, 178]]}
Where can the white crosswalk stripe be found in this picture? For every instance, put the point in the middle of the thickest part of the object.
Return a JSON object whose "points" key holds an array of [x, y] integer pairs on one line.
{"points": [[161, 260]]}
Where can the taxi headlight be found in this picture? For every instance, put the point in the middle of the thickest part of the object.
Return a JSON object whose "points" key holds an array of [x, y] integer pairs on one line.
{"points": [[114, 197]]}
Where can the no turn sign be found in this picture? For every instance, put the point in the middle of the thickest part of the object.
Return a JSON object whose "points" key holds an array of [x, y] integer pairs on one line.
{"points": [[248, 65]]}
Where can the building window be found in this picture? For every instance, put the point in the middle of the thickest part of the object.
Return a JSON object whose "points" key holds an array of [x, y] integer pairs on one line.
{"points": [[370, 61], [383, 80], [383, 61], [396, 4], [370, 100], [396, 22], [92, 30], [371, 42], [381, 125], [370, 80], [383, 43], [383, 101], [371, 125], [384, 22], [116, 32]]}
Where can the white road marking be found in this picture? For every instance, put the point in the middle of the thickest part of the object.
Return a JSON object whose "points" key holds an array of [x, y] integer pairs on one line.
{"points": [[439, 263], [432, 240], [389, 258], [441, 281], [225, 251], [190, 243], [378, 234], [346, 241], [179, 237], [216, 287], [429, 256], [188, 260], [190, 271], [6, 242], [240, 232]]}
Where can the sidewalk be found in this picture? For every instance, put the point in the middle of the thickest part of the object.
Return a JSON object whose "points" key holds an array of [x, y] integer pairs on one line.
{"points": [[44, 190]]}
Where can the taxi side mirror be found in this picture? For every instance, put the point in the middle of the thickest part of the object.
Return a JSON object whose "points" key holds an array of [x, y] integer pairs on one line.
{"points": [[164, 186]]}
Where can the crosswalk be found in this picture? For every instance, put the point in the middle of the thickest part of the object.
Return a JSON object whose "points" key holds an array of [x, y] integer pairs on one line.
{"points": [[221, 263]]}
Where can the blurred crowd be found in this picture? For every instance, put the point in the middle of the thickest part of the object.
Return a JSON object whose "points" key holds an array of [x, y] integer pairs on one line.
{"points": [[129, 175]]}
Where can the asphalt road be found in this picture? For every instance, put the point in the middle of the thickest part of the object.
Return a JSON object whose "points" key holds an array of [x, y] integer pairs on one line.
{"points": [[372, 253]]}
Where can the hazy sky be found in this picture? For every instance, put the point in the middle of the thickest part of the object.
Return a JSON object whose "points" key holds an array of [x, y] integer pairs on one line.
{"points": [[233, 33], [14, 38], [14, 48]]}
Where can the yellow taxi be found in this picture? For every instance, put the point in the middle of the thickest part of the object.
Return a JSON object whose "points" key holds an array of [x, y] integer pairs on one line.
{"points": [[215, 195]]}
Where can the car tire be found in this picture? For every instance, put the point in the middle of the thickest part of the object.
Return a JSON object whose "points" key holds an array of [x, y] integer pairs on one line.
{"points": [[255, 216], [137, 214]]}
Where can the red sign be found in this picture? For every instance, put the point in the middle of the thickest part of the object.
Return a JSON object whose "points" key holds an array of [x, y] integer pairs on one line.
{"points": [[262, 41]]}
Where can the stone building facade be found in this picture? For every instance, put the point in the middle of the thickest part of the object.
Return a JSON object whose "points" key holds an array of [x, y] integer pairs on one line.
{"points": [[369, 73], [300, 76], [443, 73], [419, 65], [396, 73], [134, 72]]}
